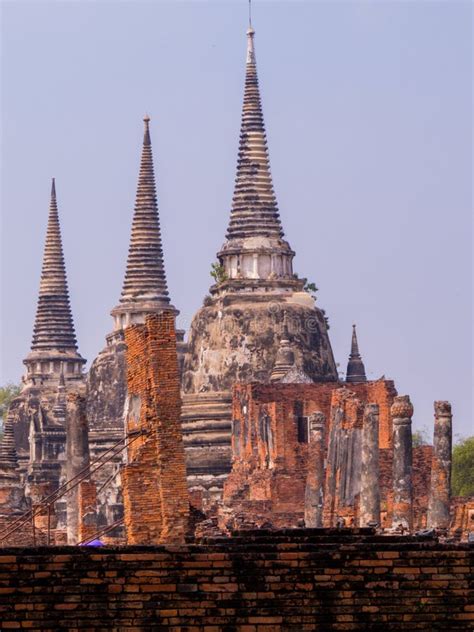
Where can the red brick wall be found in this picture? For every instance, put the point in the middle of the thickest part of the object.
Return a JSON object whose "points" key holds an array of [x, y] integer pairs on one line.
{"points": [[276, 473], [287, 581]]}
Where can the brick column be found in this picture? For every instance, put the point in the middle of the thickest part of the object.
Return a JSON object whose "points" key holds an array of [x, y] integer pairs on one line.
{"points": [[440, 490], [313, 500], [369, 505], [77, 458], [402, 411], [155, 493]]}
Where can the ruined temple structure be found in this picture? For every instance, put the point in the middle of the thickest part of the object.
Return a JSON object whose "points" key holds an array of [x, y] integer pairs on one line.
{"points": [[239, 334], [247, 424], [329, 455], [53, 368]]}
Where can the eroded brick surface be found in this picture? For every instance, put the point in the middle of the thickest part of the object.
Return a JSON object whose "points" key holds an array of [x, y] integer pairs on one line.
{"points": [[155, 492], [282, 581]]}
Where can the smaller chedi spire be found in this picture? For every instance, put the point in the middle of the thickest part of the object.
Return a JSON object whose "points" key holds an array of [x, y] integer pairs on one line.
{"points": [[8, 454], [355, 367], [145, 288], [54, 338], [285, 369], [285, 358]]}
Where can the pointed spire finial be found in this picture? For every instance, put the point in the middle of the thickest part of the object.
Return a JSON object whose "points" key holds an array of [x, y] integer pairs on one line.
{"points": [[54, 329], [145, 287], [355, 367], [254, 207]]}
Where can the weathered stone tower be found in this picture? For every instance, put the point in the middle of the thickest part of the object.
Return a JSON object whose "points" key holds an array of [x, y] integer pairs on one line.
{"points": [[235, 336], [144, 292], [53, 367]]}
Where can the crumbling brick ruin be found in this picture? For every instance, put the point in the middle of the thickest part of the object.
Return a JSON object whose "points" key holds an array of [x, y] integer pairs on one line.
{"points": [[268, 433], [155, 490]]}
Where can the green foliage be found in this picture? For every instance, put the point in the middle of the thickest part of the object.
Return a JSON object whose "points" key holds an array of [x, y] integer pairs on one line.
{"points": [[218, 272], [421, 437], [311, 287], [7, 394], [462, 483]]}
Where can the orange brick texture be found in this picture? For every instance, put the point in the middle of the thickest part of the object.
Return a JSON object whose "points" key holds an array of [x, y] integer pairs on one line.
{"points": [[288, 581], [156, 502], [270, 461], [87, 503]]}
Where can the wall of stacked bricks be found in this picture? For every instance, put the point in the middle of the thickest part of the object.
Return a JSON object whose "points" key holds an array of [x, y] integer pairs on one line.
{"points": [[283, 484], [256, 582], [156, 461]]}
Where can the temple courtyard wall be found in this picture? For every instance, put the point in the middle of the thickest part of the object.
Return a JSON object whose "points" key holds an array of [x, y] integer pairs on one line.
{"points": [[256, 581]]}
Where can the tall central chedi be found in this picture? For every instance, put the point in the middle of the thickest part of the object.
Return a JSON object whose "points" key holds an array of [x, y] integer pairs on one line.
{"points": [[235, 336]]}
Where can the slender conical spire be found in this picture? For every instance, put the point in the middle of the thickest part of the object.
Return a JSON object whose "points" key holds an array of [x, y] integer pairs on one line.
{"points": [[8, 454], [145, 278], [355, 366], [54, 328], [254, 206]]}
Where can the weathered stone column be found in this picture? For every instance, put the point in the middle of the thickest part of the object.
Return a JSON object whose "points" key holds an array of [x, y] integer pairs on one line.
{"points": [[77, 455], [369, 506], [313, 501], [440, 491], [402, 411]]}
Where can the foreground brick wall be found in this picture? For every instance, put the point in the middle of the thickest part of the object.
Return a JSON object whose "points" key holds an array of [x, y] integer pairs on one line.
{"points": [[257, 582]]}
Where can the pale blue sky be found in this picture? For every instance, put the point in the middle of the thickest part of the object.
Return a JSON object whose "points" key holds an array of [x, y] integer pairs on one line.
{"points": [[368, 114]]}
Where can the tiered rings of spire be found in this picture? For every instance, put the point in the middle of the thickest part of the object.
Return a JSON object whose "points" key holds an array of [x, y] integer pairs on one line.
{"points": [[254, 205], [254, 248], [54, 328], [144, 289], [54, 339]]}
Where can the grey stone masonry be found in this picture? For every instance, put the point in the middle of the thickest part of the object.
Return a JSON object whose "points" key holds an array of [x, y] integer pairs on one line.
{"points": [[313, 501], [77, 453], [402, 411], [440, 490], [369, 506]]}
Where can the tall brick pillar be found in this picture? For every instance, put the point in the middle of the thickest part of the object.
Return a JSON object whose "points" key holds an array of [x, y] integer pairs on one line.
{"points": [[156, 501], [313, 500], [77, 455], [402, 411], [440, 491], [369, 504]]}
